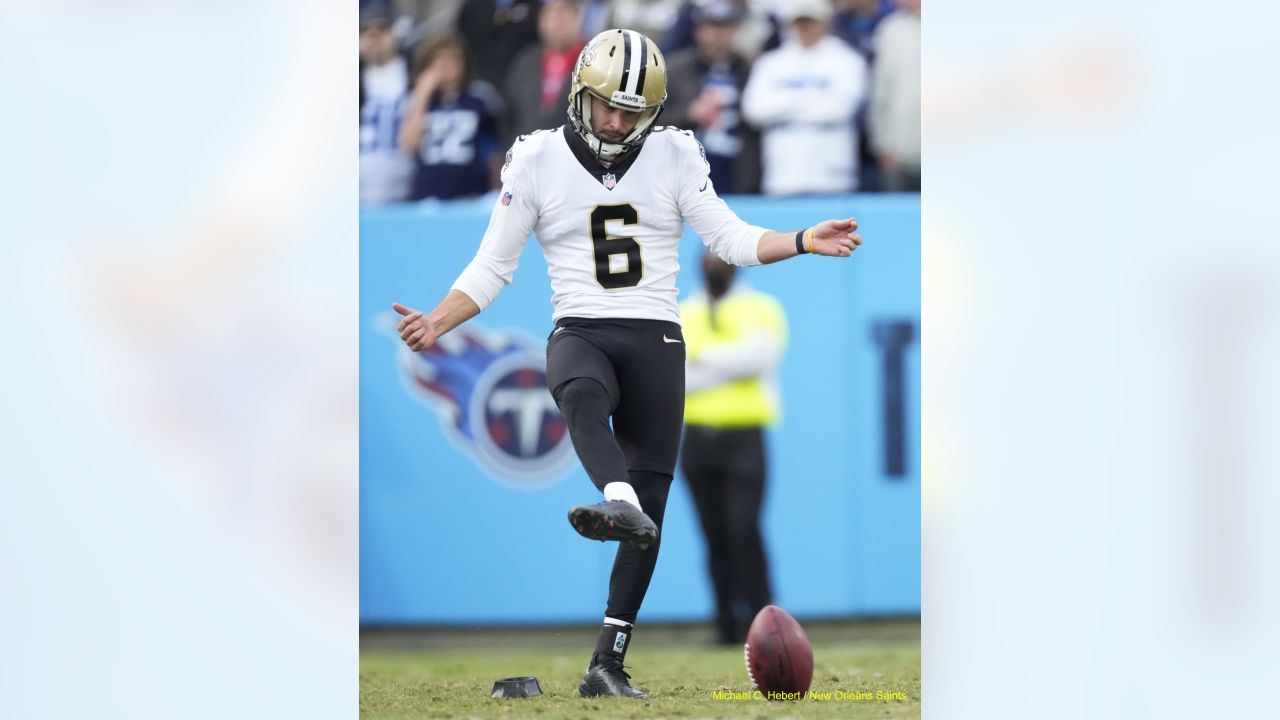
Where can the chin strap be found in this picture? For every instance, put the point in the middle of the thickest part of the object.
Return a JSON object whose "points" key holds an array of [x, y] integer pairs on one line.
{"points": [[600, 158]]}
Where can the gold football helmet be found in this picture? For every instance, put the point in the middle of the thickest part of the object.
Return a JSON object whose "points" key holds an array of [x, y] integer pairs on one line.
{"points": [[626, 70]]}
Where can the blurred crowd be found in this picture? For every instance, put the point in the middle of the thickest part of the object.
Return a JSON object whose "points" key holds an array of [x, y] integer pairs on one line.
{"points": [[788, 97]]}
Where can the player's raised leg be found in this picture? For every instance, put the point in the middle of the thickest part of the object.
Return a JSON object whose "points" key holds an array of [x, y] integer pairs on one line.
{"points": [[585, 387]]}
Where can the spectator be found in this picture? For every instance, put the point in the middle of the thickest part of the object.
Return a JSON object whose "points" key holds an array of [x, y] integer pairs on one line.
{"points": [[421, 19], [803, 96], [734, 338], [894, 112], [757, 30], [651, 18], [855, 22], [448, 126], [501, 28], [385, 171], [537, 87], [595, 17], [433, 13], [704, 86]]}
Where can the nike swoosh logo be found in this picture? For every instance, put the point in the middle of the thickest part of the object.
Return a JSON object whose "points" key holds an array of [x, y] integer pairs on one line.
{"points": [[704, 185], [667, 339]]}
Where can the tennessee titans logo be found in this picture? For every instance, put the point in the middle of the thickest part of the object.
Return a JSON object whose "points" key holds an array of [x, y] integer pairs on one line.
{"points": [[490, 391]]}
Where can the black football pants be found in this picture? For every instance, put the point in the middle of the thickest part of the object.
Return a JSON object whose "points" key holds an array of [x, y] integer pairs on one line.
{"points": [[632, 371]]}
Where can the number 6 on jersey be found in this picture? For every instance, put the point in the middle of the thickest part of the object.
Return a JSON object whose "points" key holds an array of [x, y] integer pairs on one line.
{"points": [[606, 247]]}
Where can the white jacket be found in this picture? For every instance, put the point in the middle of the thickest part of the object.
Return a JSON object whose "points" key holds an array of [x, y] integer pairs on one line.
{"points": [[804, 101]]}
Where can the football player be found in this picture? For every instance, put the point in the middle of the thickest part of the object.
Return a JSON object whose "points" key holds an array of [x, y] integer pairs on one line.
{"points": [[608, 195]]}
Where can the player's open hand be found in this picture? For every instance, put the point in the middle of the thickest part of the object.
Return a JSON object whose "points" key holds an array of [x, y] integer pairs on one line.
{"points": [[416, 330], [836, 238]]}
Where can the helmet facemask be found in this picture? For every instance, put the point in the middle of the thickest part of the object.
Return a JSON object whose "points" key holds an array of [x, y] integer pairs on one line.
{"points": [[606, 150]]}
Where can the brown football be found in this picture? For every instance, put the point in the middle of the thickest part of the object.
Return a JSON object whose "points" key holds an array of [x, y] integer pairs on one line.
{"points": [[779, 656]]}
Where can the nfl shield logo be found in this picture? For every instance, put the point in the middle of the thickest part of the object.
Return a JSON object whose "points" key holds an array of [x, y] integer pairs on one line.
{"points": [[506, 198], [609, 181]]}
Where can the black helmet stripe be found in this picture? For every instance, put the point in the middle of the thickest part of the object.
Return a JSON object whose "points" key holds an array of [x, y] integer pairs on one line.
{"points": [[644, 63], [626, 61]]}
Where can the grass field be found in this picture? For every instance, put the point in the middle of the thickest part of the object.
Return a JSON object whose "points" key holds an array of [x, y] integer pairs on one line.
{"points": [[448, 673]]}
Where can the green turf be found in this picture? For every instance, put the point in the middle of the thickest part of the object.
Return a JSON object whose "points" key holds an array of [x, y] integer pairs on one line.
{"points": [[452, 676]]}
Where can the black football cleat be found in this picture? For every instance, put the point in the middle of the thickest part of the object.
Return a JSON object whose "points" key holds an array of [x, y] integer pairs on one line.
{"points": [[606, 678], [614, 520]]}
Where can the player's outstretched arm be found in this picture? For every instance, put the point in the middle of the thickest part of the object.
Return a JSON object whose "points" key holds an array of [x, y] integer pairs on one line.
{"points": [[834, 238], [420, 331]]}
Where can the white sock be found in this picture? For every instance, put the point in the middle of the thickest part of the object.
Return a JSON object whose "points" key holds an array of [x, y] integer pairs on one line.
{"points": [[622, 491]]}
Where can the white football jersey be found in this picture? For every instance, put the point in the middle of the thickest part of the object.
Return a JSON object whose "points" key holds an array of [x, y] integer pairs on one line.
{"points": [[611, 236]]}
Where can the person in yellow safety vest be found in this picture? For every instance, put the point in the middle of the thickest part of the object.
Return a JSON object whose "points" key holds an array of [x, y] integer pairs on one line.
{"points": [[734, 338]]}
